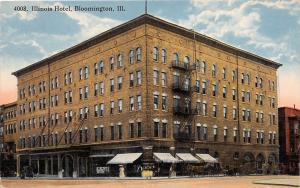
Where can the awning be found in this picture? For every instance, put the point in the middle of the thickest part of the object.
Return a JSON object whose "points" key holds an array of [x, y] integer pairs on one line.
{"points": [[125, 158], [207, 158], [165, 158], [187, 157], [101, 155]]}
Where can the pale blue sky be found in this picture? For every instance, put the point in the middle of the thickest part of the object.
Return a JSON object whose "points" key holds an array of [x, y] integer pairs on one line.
{"points": [[268, 28]]}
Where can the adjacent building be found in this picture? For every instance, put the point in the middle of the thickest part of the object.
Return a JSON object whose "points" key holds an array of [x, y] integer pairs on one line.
{"points": [[8, 139], [148, 89], [289, 124]]}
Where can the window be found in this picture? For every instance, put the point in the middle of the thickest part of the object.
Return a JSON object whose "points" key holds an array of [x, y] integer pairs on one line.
{"points": [[248, 79], [198, 108], [131, 104], [274, 119], [204, 87], [120, 105], [96, 68], [235, 133], [131, 56], [214, 110], [138, 54], [225, 112], [224, 92], [112, 85], [261, 83], [155, 54], [164, 56], [155, 77], [139, 102], [120, 60], [112, 132], [244, 114], [139, 129], [131, 129], [204, 109], [243, 96], [96, 88], [186, 62], [86, 92], [131, 80], [175, 59], [112, 106], [120, 131], [156, 129], [96, 114], [233, 75], [101, 113], [214, 70], [164, 103], [243, 78], [273, 102], [248, 96], [234, 113], [70, 77], [261, 117], [198, 86], [164, 130], [101, 88], [225, 134], [215, 132], [214, 90], [139, 77], [86, 112], [120, 82], [164, 79], [101, 67], [248, 115], [203, 67], [80, 93], [86, 72], [112, 63], [224, 73], [155, 101]]}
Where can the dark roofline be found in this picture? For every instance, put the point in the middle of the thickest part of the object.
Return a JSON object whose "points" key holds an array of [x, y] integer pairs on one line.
{"points": [[149, 19], [288, 107], [9, 104]]}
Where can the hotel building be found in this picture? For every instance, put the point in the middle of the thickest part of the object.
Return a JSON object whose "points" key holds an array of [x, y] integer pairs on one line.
{"points": [[148, 89]]}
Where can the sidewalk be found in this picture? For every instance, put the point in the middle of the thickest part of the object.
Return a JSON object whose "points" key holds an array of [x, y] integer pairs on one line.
{"points": [[292, 182]]}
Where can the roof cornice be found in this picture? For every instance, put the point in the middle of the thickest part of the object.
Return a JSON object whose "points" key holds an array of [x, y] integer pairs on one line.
{"points": [[148, 19]]}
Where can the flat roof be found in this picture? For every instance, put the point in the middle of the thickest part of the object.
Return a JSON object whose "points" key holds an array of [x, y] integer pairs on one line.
{"points": [[148, 19]]}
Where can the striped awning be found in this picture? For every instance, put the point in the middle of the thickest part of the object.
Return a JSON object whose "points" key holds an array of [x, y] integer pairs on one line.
{"points": [[125, 158], [165, 158], [207, 158], [187, 157]]}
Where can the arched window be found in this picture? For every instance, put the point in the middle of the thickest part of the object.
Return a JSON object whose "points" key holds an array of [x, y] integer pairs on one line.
{"points": [[86, 72], [175, 59], [112, 63], [242, 78], [96, 68], [155, 53], [186, 62], [120, 60], [164, 56], [261, 82], [138, 54], [131, 56], [214, 70]]}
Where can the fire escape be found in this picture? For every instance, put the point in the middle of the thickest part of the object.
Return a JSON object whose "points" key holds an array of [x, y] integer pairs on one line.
{"points": [[182, 105]]}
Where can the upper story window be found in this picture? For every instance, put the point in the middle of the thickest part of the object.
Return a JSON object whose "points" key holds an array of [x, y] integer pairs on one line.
{"points": [[139, 54], [164, 56], [247, 79], [155, 54], [120, 60], [233, 75], [86, 72], [186, 61], [176, 58], [243, 78], [214, 70], [224, 73], [203, 67], [112, 63], [139, 77], [164, 79], [131, 56], [155, 77]]}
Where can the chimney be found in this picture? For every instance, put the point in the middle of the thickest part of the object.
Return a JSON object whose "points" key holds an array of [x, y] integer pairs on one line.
{"points": [[294, 106]]}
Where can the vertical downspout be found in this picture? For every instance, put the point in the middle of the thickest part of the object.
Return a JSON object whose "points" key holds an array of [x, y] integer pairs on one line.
{"points": [[48, 104], [238, 100]]}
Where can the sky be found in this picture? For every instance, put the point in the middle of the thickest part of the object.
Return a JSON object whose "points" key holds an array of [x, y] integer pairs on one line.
{"points": [[268, 28]]}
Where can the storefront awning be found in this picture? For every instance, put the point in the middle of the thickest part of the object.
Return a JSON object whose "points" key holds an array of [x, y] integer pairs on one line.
{"points": [[165, 158], [207, 158], [125, 158], [187, 157]]}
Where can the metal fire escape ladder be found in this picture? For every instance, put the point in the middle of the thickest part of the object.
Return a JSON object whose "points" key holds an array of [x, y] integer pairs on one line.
{"points": [[41, 134], [81, 122]]}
